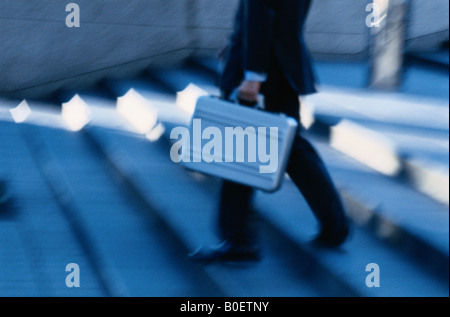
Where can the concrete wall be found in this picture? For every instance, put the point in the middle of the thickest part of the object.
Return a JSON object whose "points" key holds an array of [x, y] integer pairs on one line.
{"points": [[429, 24], [40, 54], [118, 38], [338, 27], [210, 23]]}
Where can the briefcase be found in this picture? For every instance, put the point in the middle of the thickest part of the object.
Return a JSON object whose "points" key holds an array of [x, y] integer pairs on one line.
{"points": [[238, 143]]}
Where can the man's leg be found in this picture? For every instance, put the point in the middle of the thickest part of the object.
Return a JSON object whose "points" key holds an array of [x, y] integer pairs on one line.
{"points": [[309, 173], [236, 227], [236, 223], [305, 167], [236, 217]]}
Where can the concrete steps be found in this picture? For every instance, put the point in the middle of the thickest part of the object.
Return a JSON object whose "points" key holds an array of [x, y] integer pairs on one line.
{"points": [[134, 215], [271, 214], [38, 241], [181, 203], [121, 250], [401, 137], [407, 138], [377, 199]]}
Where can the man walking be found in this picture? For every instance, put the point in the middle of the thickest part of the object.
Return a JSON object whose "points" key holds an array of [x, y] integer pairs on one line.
{"points": [[267, 55]]}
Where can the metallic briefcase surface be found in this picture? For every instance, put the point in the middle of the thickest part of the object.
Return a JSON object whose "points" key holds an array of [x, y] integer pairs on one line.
{"points": [[237, 143]]}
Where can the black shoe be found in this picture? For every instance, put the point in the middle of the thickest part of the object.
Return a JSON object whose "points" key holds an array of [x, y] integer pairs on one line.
{"points": [[332, 239], [227, 252]]}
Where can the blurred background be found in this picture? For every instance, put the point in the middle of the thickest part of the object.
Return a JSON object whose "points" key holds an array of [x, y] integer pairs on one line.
{"points": [[86, 177]]}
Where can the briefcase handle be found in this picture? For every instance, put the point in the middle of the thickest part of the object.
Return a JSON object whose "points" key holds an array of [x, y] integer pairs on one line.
{"points": [[234, 97]]}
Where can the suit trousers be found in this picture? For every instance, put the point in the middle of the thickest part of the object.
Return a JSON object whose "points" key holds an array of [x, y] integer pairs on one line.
{"points": [[237, 221]]}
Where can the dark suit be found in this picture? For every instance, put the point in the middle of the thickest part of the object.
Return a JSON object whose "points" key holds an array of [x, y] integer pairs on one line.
{"points": [[268, 38], [262, 30]]}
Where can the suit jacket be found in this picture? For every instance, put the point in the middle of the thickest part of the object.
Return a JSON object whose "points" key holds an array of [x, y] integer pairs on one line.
{"points": [[265, 27]]}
